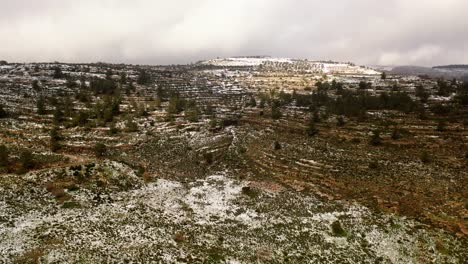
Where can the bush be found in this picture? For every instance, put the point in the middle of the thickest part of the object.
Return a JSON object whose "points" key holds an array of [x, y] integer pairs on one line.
{"points": [[316, 117], [113, 129], [425, 157], [376, 140], [35, 85], [250, 192], [131, 126], [192, 114], [40, 105], [396, 134], [209, 157], [230, 122], [100, 149], [276, 145], [54, 139], [144, 78], [27, 160], [441, 126], [340, 121], [4, 153], [337, 229], [80, 119], [3, 113], [275, 111], [373, 165], [311, 129]]}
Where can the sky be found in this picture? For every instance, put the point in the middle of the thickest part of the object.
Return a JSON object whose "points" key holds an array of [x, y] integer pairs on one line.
{"points": [[370, 32]]}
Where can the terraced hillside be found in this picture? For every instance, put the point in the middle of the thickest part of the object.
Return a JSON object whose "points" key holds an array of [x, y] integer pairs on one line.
{"points": [[221, 163]]}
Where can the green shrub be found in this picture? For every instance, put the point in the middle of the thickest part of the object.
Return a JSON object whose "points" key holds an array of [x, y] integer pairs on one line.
{"points": [[27, 160], [425, 157], [100, 149], [311, 129], [340, 121], [396, 134], [376, 140], [3, 112], [276, 145], [337, 229], [4, 154], [373, 165]]}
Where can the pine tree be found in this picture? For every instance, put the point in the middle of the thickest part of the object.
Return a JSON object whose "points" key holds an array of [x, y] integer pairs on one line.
{"points": [[275, 110], [192, 112], [383, 76], [35, 85], [123, 78], [143, 78], [54, 139], [58, 73]]}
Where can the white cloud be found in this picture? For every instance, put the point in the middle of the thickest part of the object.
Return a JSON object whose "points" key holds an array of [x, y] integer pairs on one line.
{"points": [[180, 31]]}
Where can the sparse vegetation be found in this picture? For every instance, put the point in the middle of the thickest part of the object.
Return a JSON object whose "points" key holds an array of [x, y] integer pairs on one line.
{"points": [[219, 152]]}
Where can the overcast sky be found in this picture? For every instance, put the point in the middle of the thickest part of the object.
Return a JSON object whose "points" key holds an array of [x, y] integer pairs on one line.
{"points": [[391, 32]]}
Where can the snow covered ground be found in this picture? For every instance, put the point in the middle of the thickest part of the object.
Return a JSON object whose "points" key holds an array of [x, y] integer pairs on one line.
{"points": [[218, 219], [287, 63]]}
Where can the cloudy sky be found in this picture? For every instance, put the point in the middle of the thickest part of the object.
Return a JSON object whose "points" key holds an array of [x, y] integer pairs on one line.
{"points": [[391, 32]]}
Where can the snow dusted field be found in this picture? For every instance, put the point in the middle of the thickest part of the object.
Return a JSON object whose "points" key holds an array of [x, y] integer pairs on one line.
{"points": [[218, 219], [287, 63], [236, 62]]}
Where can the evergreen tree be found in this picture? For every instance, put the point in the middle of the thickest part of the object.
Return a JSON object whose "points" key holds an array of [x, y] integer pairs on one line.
{"points": [[252, 102], [70, 83], [35, 85], [176, 104], [192, 112], [54, 139], [421, 93], [109, 74], [123, 78], [58, 114], [160, 93], [143, 78], [275, 110], [80, 118], [58, 73]]}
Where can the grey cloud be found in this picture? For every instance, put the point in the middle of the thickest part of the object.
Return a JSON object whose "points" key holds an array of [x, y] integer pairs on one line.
{"points": [[418, 32]]}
